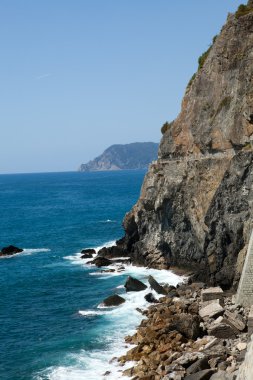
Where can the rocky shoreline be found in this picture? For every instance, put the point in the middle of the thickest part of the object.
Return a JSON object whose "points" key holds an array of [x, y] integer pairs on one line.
{"points": [[190, 332], [185, 337]]}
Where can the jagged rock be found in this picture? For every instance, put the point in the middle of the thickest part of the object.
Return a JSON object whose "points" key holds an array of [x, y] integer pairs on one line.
{"points": [[197, 366], [150, 298], [10, 250], [211, 310], [235, 320], [187, 324], [222, 331], [156, 286], [101, 262], [201, 375], [114, 300], [134, 285]]}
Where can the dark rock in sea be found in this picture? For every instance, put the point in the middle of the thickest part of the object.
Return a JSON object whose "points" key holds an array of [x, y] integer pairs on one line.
{"points": [[150, 298], [101, 262], [87, 256], [88, 251], [134, 285], [156, 286], [10, 250], [112, 252], [114, 300]]}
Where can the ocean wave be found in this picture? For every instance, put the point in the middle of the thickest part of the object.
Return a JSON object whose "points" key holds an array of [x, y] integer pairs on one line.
{"points": [[108, 221], [76, 257], [88, 313]]}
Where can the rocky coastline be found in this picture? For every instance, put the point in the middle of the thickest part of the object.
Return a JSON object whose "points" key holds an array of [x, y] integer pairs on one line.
{"points": [[190, 332]]}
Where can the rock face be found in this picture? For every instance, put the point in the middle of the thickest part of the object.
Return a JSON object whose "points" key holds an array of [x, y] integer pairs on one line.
{"points": [[119, 157], [195, 210]]}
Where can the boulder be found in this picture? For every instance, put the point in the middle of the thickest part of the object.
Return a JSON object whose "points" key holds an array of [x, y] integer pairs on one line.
{"points": [[223, 375], [150, 298], [114, 300], [199, 365], [211, 310], [10, 250], [201, 375], [187, 324], [212, 294], [101, 262], [156, 286], [134, 285], [222, 330], [235, 320], [88, 251]]}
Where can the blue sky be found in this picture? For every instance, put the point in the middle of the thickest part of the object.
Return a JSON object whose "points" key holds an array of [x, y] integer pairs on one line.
{"points": [[77, 76]]}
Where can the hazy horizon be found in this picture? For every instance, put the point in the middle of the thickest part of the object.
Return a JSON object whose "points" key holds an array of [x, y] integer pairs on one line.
{"points": [[78, 77]]}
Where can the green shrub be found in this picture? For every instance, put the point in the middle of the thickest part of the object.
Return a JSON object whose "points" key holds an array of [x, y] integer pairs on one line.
{"points": [[203, 57], [243, 10], [191, 80], [166, 126]]}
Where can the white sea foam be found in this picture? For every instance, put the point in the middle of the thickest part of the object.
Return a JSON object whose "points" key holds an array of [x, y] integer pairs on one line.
{"points": [[119, 321], [88, 313], [76, 257]]}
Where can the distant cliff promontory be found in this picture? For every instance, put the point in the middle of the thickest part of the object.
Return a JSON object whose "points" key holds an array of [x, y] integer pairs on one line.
{"points": [[120, 157]]}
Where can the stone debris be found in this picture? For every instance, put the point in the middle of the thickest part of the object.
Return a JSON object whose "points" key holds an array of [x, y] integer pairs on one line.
{"points": [[212, 294], [211, 310], [177, 341]]}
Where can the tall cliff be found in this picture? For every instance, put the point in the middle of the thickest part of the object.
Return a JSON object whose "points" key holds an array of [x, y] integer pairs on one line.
{"points": [[194, 210]]}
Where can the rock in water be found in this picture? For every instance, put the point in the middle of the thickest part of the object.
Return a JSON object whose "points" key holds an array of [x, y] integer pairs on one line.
{"points": [[10, 250], [150, 298], [101, 262], [156, 286], [88, 251], [114, 300], [134, 285]]}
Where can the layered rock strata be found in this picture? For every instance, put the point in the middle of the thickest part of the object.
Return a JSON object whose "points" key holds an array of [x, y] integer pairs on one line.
{"points": [[195, 210]]}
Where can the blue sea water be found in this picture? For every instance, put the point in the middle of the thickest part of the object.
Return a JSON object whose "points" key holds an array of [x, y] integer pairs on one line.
{"points": [[51, 325]]}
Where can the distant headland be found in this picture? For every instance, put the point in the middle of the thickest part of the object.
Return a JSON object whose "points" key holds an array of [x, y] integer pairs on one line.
{"points": [[123, 156]]}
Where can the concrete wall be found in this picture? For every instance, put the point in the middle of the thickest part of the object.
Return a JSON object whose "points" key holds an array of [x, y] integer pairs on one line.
{"points": [[246, 369]]}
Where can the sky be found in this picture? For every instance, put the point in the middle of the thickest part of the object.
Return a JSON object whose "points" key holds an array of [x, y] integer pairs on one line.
{"points": [[80, 75]]}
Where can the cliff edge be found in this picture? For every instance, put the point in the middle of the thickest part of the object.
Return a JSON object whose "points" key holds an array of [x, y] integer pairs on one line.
{"points": [[195, 210]]}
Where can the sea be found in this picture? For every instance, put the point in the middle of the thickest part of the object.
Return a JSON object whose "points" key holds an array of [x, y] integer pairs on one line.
{"points": [[52, 322]]}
